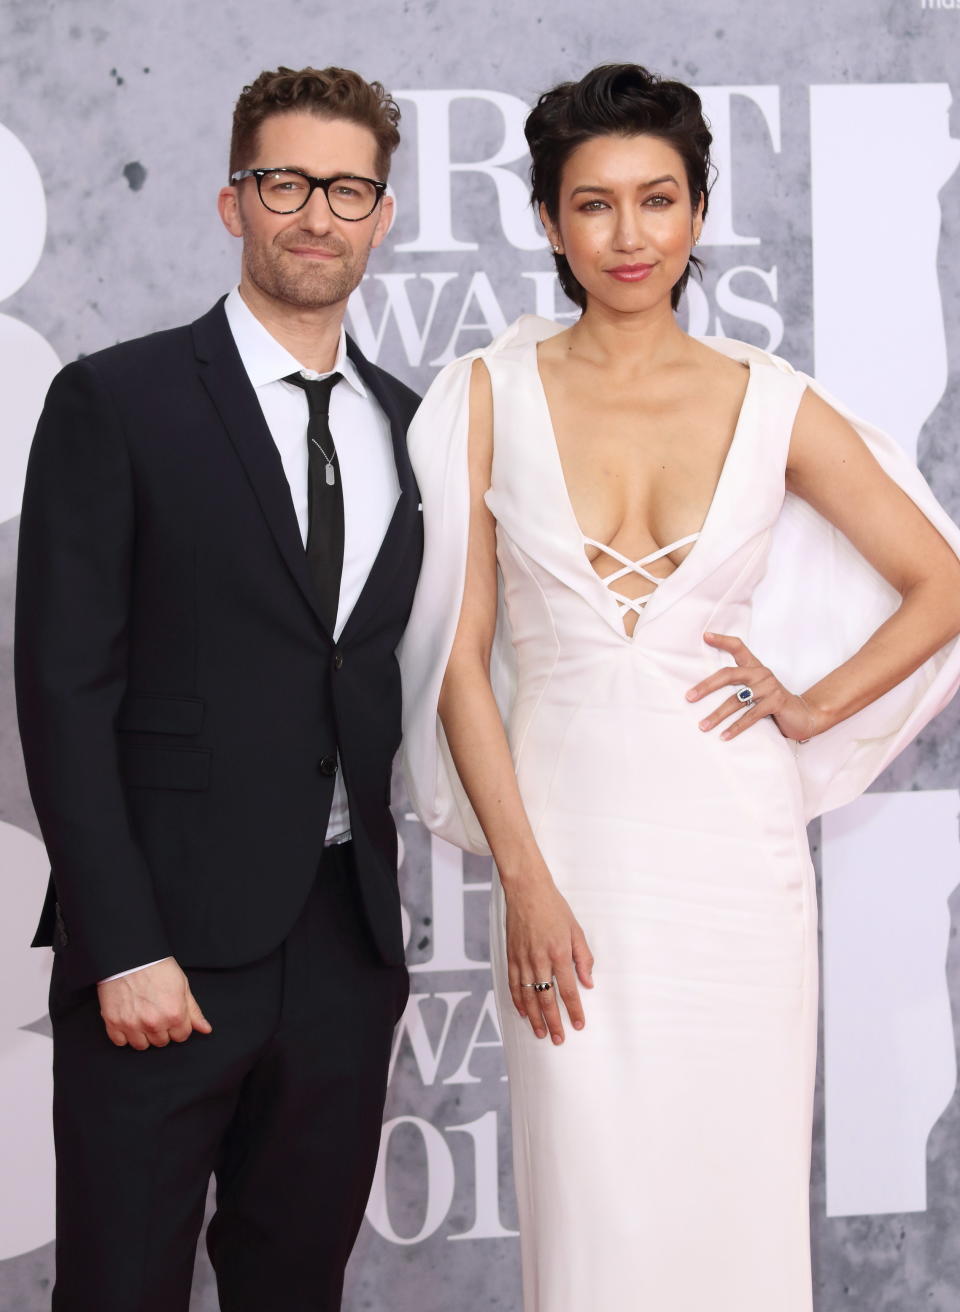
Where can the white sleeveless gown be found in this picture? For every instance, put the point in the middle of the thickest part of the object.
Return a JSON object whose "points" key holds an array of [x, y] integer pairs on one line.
{"points": [[662, 1154]]}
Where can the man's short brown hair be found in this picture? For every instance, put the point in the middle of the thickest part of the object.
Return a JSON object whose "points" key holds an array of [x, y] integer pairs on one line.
{"points": [[327, 92]]}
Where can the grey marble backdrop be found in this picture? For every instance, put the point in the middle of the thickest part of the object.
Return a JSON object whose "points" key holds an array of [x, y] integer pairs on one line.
{"points": [[125, 110]]}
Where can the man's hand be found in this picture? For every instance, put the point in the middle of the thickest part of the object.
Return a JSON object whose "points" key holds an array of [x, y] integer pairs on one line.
{"points": [[151, 1007]]}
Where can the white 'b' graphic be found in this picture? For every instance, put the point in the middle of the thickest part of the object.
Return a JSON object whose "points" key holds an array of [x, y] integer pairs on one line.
{"points": [[26, 1145], [879, 337], [27, 364], [27, 361], [889, 862]]}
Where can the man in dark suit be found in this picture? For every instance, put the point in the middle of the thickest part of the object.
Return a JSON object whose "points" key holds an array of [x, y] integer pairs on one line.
{"points": [[219, 546]]}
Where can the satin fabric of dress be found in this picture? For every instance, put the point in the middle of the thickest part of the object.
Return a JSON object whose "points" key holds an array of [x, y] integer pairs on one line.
{"points": [[661, 1155], [817, 603]]}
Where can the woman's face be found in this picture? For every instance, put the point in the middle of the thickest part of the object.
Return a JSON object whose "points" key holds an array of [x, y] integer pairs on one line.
{"points": [[625, 220]]}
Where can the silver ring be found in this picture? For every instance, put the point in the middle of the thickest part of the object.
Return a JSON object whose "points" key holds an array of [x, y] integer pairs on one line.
{"points": [[528, 986], [745, 697], [542, 985]]}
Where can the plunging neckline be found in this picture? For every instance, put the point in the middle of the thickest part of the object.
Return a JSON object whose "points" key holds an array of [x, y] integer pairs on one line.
{"points": [[567, 505]]}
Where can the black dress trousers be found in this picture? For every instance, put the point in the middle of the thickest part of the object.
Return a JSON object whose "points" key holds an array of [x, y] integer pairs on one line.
{"points": [[283, 1102]]}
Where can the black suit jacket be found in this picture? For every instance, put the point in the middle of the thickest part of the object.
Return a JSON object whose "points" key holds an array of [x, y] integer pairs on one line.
{"points": [[181, 702]]}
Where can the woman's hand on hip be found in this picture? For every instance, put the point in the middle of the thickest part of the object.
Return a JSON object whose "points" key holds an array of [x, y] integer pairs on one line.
{"points": [[793, 716]]}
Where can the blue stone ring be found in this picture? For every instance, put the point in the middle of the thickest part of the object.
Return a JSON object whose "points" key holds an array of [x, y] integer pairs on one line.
{"points": [[745, 697]]}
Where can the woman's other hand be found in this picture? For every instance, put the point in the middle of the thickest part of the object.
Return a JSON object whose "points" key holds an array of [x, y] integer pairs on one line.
{"points": [[545, 944]]}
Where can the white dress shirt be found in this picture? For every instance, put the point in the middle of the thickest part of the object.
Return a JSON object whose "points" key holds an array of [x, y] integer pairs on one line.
{"points": [[365, 466]]}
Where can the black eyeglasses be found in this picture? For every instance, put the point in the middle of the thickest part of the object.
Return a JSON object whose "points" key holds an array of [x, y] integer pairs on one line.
{"points": [[284, 191]]}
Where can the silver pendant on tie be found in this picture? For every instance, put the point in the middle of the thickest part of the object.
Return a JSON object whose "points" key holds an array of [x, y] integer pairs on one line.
{"points": [[329, 474]]}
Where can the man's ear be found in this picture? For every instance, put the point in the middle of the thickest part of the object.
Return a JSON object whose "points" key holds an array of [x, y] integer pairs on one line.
{"points": [[228, 207], [385, 217]]}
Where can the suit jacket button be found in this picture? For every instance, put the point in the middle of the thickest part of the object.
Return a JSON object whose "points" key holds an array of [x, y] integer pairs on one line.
{"points": [[337, 660], [328, 766]]}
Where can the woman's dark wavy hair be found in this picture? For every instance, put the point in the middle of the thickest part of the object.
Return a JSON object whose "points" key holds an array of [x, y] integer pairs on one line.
{"points": [[623, 100]]}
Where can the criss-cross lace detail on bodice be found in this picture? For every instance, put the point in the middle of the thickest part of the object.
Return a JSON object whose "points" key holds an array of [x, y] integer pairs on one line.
{"points": [[635, 604], [628, 613]]}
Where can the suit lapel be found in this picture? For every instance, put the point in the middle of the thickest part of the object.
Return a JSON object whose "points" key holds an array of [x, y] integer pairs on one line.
{"points": [[225, 379], [405, 519]]}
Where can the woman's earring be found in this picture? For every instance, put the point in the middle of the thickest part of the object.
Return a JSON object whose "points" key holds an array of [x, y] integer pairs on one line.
{"points": [[556, 250]]}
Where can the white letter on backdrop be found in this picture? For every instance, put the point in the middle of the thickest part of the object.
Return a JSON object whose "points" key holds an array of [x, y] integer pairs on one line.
{"points": [[437, 167]]}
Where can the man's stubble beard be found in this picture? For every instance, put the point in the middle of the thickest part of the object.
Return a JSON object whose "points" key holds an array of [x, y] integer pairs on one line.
{"points": [[313, 287]]}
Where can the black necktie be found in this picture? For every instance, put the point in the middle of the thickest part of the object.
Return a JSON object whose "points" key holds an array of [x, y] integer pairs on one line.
{"points": [[325, 500]]}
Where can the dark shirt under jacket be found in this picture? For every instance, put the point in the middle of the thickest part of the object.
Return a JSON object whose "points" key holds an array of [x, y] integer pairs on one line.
{"points": [[181, 703]]}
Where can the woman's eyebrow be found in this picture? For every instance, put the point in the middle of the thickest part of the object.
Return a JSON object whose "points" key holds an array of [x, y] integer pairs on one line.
{"points": [[641, 186]]}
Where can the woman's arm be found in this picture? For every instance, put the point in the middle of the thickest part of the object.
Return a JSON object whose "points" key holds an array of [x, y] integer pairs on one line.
{"points": [[831, 468], [543, 938]]}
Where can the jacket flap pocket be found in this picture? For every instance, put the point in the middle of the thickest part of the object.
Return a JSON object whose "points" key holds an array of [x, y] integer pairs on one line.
{"points": [[147, 713], [186, 768]]}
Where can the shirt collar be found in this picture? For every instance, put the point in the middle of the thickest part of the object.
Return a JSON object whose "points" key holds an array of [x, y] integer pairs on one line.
{"points": [[266, 361]]}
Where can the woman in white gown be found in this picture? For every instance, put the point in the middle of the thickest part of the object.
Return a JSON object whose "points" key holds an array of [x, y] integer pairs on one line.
{"points": [[642, 722]]}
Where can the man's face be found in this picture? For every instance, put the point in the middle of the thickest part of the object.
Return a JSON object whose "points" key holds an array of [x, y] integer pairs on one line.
{"points": [[310, 259]]}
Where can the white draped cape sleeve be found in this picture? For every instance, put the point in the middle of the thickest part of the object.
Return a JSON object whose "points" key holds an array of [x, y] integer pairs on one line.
{"points": [[816, 606]]}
